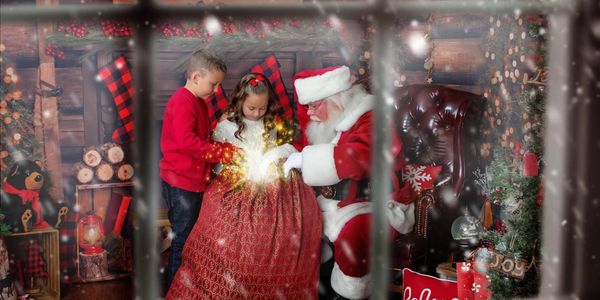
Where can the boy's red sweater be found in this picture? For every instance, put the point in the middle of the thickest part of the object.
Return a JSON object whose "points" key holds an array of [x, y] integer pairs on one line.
{"points": [[185, 143]]}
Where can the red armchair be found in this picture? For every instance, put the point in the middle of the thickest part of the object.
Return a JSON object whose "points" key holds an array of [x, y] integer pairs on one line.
{"points": [[438, 126]]}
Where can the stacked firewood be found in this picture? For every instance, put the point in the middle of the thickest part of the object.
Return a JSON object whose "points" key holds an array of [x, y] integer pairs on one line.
{"points": [[103, 164]]}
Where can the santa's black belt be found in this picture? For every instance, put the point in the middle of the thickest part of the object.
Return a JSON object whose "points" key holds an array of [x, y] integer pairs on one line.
{"points": [[342, 190]]}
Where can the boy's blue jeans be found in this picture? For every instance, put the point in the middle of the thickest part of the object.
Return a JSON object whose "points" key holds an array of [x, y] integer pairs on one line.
{"points": [[183, 207]]}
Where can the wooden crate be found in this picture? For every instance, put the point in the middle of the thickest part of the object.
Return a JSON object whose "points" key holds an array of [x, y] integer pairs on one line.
{"points": [[48, 239], [100, 194]]}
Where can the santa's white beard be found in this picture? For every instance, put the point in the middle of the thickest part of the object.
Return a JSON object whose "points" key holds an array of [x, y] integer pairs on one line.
{"points": [[319, 132]]}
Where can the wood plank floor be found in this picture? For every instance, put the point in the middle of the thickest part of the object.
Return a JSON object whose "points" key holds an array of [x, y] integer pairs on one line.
{"points": [[121, 289]]}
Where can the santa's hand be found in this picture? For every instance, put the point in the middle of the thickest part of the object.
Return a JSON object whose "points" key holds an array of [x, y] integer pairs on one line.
{"points": [[294, 161]]}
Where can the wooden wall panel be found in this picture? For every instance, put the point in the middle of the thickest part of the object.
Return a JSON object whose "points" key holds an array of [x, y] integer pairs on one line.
{"points": [[48, 107], [71, 138], [27, 82], [456, 53], [447, 26], [21, 42], [71, 122], [413, 77], [90, 99], [71, 129], [457, 61], [290, 61], [71, 81]]}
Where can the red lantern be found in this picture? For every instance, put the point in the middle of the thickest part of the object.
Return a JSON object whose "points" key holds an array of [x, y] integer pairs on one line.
{"points": [[530, 164], [91, 233]]}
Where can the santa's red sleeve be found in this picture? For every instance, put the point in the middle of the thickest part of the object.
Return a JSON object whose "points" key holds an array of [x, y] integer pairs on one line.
{"points": [[190, 141]]}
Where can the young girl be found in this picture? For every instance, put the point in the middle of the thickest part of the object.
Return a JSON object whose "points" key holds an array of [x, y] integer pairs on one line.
{"points": [[258, 235]]}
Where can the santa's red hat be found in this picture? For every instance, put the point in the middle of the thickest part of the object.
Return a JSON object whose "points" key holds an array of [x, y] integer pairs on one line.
{"points": [[314, 85]]}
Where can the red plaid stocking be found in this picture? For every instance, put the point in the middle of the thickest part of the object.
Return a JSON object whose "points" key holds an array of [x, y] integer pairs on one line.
{"points": [[117, 77], [216, 105], [270, 68], [68, 248]]}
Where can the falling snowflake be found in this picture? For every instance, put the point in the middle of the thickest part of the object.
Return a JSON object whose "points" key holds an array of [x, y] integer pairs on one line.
{"points": [[415, 175], [231, 282]]}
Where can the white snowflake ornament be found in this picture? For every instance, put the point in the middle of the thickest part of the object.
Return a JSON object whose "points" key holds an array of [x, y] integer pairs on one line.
{"points": [[415, 175]]}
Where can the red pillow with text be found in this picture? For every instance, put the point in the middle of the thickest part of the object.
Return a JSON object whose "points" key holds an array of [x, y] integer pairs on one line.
{"points": [[419, 178], [420, 286]]}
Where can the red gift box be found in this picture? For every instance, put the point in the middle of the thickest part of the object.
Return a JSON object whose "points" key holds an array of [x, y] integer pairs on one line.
{"points": [[472, 285]]}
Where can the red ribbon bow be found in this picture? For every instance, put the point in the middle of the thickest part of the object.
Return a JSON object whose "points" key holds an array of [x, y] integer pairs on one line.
{"points": [[254, 81], [26, 195]]}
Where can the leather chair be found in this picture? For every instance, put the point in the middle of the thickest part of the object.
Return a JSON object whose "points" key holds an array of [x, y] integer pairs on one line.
{"points": [[438, 126]]}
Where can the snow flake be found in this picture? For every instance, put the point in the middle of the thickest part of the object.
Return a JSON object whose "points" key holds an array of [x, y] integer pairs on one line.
{"points": [[416, 175], [231, 282]]}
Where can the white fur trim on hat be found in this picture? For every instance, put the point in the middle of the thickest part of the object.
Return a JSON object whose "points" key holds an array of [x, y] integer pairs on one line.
{"points": [[357, 102], [401, 216], [314, 88], [348, 286], [318, 166]]}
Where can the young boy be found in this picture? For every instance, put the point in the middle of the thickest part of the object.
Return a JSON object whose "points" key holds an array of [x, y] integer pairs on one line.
{"points": [[187, 149]]}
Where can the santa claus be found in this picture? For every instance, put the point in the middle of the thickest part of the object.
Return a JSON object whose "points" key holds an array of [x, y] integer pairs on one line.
{"points": [[336, 162]]}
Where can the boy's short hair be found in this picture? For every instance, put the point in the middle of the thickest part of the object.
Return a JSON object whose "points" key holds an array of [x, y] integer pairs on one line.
{"points": [[204, 62]]}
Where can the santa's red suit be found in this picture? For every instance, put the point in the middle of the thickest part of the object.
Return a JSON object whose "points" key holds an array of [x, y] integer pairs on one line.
{"points": [[343, 166]]}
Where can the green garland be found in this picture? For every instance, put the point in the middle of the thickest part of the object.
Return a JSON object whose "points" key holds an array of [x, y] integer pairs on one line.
{"points": [[522, 237], [236, 38], [514, 114], [17, 134]]}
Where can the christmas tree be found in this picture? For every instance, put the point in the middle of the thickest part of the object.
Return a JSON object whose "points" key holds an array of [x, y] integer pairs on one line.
{"points": [[514, 89], [17, 133]]}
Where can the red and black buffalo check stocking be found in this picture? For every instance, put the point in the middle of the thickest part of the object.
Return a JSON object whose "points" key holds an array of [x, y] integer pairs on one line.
{"points": [[216, 105], [117, 77], [270, 68]]}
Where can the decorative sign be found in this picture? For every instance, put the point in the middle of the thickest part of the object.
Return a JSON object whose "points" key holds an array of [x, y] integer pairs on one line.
{"points": [[506, 264]]}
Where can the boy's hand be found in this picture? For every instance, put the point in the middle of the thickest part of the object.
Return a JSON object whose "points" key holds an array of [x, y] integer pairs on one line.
{"points": [[230, 153]]}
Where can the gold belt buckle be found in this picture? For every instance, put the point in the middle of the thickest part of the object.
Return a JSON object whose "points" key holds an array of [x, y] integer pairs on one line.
{"points": [[327, 191]]}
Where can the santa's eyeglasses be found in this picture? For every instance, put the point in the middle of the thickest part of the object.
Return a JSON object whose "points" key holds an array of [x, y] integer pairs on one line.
{"points": [[314, 105]]}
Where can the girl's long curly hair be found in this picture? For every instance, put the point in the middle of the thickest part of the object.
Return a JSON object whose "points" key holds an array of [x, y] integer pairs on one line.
{"points": [[253, 83]]}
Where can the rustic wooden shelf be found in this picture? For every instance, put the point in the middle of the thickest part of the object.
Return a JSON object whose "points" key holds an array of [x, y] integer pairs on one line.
{"points": [[92, 186], [49, 239]]}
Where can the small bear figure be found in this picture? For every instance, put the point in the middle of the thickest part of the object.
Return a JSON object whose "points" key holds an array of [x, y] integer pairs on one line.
{"points": [[25, 201]]}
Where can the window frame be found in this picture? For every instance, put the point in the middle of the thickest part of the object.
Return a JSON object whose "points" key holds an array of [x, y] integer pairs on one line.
{"points": [[561, 13]]}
